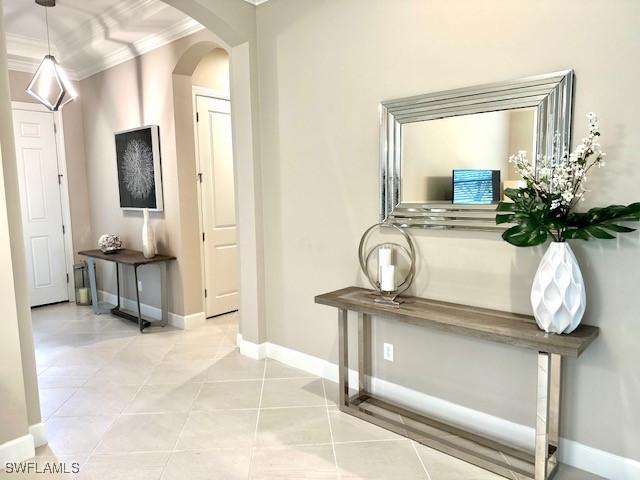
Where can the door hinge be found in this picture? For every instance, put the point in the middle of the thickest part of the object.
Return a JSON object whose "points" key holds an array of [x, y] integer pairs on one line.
{"points": [[197, 117], [67, 278], [205, 293], [203, 236], [200, 177], [63, 230], [59, 179], [55, 128]]}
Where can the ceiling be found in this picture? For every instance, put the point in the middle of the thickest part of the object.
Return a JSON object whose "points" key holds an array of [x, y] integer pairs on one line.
{"points": [[90, 36]]}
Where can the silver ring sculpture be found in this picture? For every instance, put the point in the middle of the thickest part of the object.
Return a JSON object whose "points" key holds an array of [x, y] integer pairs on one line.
{"points": [[389, 298]]}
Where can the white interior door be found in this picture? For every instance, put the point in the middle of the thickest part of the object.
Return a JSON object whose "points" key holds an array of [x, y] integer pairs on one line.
{"points": [[40, 202], [218, 205]]}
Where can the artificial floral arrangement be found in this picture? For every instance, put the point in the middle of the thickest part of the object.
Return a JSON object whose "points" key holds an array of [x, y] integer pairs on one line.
{"points": [[544, 208]]}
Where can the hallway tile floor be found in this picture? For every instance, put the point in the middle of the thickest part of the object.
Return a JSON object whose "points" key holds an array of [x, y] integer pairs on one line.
{"points": [[172, 405]]}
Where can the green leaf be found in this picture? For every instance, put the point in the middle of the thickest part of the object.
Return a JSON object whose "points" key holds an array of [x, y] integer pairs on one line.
{"points": [[617, 228], [525, 235], [596, 221], [505, 207], [599, 233], [504, 218]]}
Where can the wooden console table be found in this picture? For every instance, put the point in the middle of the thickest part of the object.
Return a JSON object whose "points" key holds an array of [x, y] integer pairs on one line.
{"points": [[135, 259], [492, 325]]}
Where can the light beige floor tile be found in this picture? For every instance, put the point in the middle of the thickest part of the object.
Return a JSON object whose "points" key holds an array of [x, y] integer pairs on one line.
{"points": [[164, 398], [347, 428], [293, 392], [276, 369], [444, 467], [120, 372], [293, 426], [331, 392], [187, 352], [294, 463], [76, 435], [132, 466], [565, 472], [229, 395], [222, 464], [379, 460], [171, 373], [221, 429], [145, 432], [235, 367], [51, 399], [104, 400], [66, 376]]}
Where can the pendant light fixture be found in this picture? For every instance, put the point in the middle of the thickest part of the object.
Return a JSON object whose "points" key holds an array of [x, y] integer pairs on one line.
{"points": [[50, 84]]}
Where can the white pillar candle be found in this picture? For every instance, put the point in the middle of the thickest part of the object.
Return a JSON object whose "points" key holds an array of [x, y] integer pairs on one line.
{"points": [[384, 256], [83, 293], [387, 278]]}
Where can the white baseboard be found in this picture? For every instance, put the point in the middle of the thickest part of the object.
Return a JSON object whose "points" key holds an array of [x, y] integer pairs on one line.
{"points": [[250, 349], [598, 462], [17, 450], [184, 322], [39, 434]]}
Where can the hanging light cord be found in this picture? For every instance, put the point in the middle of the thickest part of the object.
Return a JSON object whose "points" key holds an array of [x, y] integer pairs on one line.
{"points": [[46, 21]]}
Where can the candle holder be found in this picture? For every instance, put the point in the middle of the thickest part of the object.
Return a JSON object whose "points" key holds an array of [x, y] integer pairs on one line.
{"points": [[391, 298]]}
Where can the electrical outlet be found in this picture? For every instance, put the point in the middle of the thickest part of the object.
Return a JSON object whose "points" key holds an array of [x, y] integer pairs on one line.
{"points": [[388, 351], [139, 285]]}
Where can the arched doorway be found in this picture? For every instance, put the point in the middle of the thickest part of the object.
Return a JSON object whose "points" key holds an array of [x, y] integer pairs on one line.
{"points": [[234, 25]]}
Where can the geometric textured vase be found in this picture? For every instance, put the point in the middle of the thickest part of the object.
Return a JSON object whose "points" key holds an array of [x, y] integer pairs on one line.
{"points": [[558, 296]]}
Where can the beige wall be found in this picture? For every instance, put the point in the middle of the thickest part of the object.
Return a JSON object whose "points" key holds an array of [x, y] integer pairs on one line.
{"points": [[213, 72], [324, 66], [135, 93], [73, 129], [18, 384]]}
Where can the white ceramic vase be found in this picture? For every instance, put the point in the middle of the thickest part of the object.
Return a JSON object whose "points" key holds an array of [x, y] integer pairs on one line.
{"points": [[148, 237], [558, 296]]}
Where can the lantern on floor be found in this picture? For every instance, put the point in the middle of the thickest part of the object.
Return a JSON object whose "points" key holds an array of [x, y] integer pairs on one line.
{"points": [[81, 283]]}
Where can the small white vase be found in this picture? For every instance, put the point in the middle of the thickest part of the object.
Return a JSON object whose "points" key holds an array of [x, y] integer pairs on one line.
{"points": [[558, 296], [148, 237]]}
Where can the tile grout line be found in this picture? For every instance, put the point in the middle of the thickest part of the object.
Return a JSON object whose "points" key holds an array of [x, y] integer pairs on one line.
{"points": [[415, 449], [255, 432], [333, 446], [175, 444]]}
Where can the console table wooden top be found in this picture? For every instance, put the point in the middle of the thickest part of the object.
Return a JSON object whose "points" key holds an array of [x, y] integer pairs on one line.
{"points": [[503, 327], [126, 256]]}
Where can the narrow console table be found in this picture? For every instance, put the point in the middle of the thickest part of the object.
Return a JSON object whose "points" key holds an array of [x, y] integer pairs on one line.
{"points": [[135, 259], [502, 327]]}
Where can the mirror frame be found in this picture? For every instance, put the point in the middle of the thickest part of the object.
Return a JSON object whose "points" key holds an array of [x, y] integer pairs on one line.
{"points": [[550, 94]]}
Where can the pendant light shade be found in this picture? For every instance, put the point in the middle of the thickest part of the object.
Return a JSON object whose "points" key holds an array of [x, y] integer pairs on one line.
{"points": [[50, 84]]}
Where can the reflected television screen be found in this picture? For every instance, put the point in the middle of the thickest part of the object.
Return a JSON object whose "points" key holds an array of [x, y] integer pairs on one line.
{"points": [[476, 187]]}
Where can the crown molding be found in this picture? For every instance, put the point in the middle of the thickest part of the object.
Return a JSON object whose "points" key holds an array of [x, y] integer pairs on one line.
{"points": [[24, 53], [181, 29]]}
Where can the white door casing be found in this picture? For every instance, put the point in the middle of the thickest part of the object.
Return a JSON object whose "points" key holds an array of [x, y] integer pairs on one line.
{"points": [[218, 208], [40, 200]]}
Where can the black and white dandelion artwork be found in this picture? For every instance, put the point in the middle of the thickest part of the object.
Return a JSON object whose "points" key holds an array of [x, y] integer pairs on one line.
{"points": [[138, 161]]}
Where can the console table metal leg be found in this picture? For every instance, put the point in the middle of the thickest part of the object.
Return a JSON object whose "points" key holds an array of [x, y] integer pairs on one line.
{"points": [[140, 322], [91, 263], [163, 294], [118, 284], [547, 415], [343, 359], [364, 351]]}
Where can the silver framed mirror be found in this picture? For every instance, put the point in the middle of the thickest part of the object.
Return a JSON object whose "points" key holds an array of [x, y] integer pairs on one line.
{"points": [[444, 155]]}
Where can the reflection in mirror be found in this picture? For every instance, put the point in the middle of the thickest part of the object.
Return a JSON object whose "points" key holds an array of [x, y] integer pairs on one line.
{"points": [[479, 145]]}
